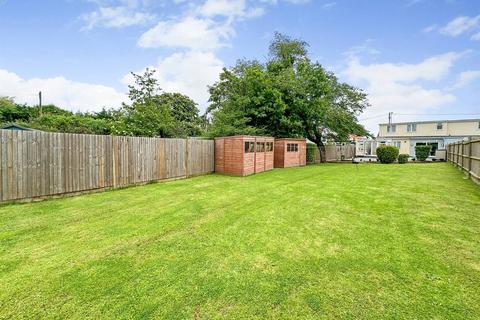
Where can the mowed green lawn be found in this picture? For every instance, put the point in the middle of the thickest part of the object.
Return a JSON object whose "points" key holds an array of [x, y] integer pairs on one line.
{"points": [[325, 241]]}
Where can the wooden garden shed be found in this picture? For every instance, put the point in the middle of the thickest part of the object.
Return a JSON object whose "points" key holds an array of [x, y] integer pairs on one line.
{"points": [[290, 152], [243, 155]]}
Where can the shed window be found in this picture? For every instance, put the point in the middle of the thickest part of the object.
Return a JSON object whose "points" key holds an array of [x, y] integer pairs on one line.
{"points": [[269, 146], [292, 147], [249, 146], [260, 146]]}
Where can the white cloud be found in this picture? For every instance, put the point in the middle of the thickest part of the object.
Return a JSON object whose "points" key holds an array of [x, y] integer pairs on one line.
{"points": [[67, 94], [366, 48], [413, 2], [400, 87], [297, 1], [433, 68], [460, 25], [430, 28], [476, 37], [467, 77], [189, 73], [228, 8], [288, 1], [329, 5], [115, 17], [207, 26], [193, 33]]}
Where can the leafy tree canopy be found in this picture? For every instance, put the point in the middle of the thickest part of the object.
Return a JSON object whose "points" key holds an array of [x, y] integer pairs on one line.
{"points": [[153, 113], [288, 96]]}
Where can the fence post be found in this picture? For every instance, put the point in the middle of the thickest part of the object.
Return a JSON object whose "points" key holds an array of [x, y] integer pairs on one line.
{"points": [[455, 154], [458, 155], [186, 157], [469, 159]]}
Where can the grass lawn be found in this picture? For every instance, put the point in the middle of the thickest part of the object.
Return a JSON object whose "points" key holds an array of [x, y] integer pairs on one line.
{"points": [[325, 241]]}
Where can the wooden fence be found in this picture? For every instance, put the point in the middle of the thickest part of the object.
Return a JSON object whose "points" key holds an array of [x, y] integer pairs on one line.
{"points": [[339, 152], [466, 156], [333, 153], [40, 164]]}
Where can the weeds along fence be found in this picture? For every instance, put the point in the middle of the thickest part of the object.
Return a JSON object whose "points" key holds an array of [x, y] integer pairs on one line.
{"points": [[41, 164], [466, 156]]}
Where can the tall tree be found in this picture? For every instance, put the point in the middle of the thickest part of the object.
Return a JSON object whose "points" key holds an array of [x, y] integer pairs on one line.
{"points": [[288, 96], [146, 116], [185, 113]]}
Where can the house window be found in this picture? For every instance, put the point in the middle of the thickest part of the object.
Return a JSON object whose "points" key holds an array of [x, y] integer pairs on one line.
{"points": [[397, 144], [391, 128], [260, 146], [439, 126], [478, 124], [411, 127], [249, 147]]}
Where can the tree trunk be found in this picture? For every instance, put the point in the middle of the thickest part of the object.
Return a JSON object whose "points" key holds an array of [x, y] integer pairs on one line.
{"points": [[323, 153], [320, 145]]}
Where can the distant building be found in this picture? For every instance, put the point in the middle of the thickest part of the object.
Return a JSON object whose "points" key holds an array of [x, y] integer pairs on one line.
{"points": [[15, 127], [437, 134]]}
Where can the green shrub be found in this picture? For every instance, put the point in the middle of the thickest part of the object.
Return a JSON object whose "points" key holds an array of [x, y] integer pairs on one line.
{"points": [[422, 152], [403, 158], [387, 154], [311, 151]]}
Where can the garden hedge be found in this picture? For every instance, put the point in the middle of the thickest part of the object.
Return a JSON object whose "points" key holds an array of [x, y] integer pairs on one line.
{"points": [[311, 150], [403, 158], [422, 152], [387, 154]]}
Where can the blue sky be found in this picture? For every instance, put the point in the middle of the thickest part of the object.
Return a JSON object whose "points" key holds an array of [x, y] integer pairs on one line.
{"points": [[417, 58]]}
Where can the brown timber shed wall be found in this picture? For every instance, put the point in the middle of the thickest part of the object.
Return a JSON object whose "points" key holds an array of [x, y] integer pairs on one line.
{"points": [[243, 155], [290, 153]]}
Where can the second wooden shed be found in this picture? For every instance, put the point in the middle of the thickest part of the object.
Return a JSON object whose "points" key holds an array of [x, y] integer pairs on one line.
{"points": [[243, 155], [290, 153]]}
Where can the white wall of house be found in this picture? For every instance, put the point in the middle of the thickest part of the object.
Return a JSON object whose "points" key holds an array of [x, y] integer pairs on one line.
{"points": [[431, 129], [407, 135]]}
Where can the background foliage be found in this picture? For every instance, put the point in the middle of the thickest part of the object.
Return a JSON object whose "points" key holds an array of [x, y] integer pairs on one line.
{"points": [[152, 113], [403, 158]]}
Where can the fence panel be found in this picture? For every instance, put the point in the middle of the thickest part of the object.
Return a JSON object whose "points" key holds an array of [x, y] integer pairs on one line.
{"points": [[466, 156], [339, 152], [41, 164]]}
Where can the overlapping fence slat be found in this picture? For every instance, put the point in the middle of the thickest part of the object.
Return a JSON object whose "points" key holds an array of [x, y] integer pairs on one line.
{"points": [[41, 164], [466, 156]]}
